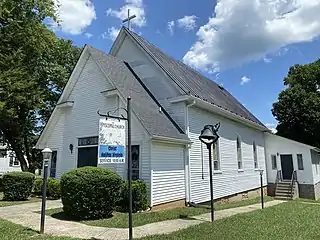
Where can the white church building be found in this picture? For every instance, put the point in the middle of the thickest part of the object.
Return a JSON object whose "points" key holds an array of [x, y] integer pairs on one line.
{"points": [[171, 103]]}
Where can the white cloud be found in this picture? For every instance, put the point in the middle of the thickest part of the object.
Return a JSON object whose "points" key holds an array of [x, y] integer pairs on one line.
{"points": [[248, 30], [136, 7], [272, 127], [88, 35], [244, 80], [111, 34], [187, 22], [171, 25], [75, 15]]}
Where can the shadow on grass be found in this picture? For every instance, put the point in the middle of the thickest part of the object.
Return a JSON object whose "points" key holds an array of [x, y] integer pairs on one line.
{"points": [[65, 217], [186, 217]]}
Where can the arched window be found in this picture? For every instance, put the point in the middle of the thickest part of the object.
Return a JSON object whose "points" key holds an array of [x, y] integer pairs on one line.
{"points": [[216, 156], [255, 155], [239, 152]]}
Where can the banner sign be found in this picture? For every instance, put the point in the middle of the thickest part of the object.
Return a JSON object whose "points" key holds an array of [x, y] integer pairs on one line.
{"points": [[112, 138]]}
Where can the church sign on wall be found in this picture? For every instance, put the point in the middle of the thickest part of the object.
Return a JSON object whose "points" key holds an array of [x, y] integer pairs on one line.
{"points": [[112, 137]]}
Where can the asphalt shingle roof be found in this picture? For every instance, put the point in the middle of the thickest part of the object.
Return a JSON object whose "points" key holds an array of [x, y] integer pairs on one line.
{"points": [[144, 106], [193, 83]]}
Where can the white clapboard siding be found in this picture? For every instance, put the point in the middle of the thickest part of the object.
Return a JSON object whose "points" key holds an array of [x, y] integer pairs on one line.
{"points": [[276, 144], [5, 162], [229, 180], [168, 180], [55, 141], [82, 120]]}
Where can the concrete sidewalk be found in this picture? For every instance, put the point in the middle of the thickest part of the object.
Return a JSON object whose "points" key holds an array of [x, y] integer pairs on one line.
{"points": [[25, 215]]}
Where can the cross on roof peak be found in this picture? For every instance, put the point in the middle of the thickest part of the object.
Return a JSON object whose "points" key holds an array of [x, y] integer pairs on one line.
{"points": [[128, 18]]}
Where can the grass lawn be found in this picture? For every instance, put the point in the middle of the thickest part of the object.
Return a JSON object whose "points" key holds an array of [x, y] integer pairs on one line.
{"points": [[290, 220], [120, 220], [10, 203], [11, 231]]}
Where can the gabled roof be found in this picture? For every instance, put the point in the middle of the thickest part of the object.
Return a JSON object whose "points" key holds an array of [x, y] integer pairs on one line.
{"points": [[192, 82], [154, 119]]}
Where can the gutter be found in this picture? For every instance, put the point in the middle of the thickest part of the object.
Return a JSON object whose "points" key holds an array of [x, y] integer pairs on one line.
{"points": [[170, 140], [187, 154]]}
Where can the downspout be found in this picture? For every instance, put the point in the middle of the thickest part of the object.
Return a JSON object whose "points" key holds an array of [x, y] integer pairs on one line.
{"points": [[187, 154], [266, 156]]}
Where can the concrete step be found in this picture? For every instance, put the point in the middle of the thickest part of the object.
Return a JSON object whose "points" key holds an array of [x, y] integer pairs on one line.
{"points": [[284, 184], [283, 198], [284, 189], [282, 192]]}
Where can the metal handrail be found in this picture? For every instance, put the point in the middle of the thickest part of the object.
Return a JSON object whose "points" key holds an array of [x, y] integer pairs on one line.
{"points": [[279, 177], [293, 180]]}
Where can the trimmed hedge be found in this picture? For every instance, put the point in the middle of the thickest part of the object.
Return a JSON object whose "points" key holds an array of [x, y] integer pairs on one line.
{"points": [[90, 192], [53, 188], [1, 184], [37, 187], [139, 196], [17, 185]]}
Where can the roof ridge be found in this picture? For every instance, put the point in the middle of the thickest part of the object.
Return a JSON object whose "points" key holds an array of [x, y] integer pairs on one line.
{"points": [[193, 82]]}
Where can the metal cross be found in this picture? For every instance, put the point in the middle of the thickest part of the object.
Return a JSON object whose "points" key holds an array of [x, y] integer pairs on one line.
{"points": [[128, 18]]}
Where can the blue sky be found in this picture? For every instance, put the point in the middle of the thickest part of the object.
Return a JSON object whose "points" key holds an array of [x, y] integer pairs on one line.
{"points": [[245, 45]]}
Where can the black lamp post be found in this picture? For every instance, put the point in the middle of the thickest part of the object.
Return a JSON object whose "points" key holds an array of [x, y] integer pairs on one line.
{"points": [[209, 135], [261, 187], [47, 154]]}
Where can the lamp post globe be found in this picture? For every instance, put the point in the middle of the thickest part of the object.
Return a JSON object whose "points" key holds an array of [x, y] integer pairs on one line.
{"points": [[46, 153]]}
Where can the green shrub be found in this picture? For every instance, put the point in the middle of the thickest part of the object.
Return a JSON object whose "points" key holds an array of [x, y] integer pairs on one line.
{"points": [[90, 192], [17, 185], [37, 187], [139, 196], [53, 189], [1, 184]]}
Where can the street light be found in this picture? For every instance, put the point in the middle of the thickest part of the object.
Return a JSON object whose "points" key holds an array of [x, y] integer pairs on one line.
{"points": [[209, 135], [261, 187], [47, 154]]}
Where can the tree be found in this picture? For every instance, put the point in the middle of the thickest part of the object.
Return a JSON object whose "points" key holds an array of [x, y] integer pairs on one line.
{"points": [[34, 67], [298, 107]]}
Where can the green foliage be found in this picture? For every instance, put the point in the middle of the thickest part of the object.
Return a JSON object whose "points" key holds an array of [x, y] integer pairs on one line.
{"points": [[17, 185], [34, 67], [53, 188], [139, 196], [1, 184], [90, 192], [298, 107], [37, 187]]}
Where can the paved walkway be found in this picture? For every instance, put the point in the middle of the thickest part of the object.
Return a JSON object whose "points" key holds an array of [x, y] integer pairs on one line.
{"points": [[25, 214]]}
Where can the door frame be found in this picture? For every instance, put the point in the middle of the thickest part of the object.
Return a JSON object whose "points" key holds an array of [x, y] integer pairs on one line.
{"points": [[282, 169]]}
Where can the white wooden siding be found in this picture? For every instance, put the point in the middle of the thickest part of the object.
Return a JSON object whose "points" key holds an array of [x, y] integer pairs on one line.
{"points": [[276, 144], [82, 120], [229, 180], [55, 142], [315, 158], [168, 180], [4, 164]]}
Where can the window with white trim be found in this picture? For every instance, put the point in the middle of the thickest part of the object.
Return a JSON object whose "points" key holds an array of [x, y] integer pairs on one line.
{"points": [[16, 162], [255, 155], [300, 161], [274, 162], [216, 156], [135, 157], [239, 153]]}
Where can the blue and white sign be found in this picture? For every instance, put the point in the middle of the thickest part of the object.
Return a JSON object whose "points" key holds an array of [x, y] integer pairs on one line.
{"points": [[112, 138]]}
